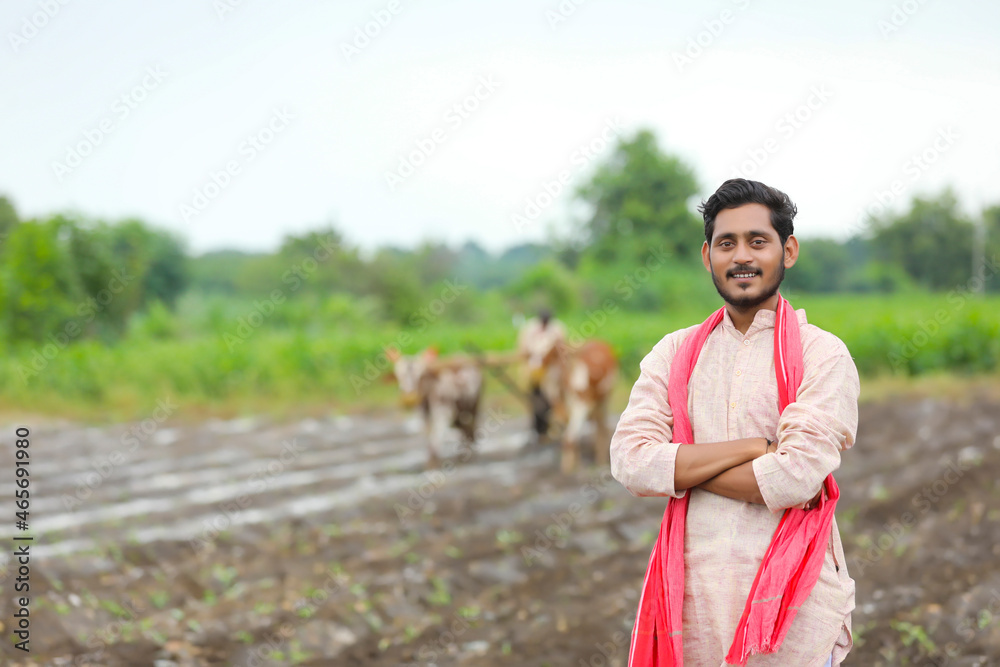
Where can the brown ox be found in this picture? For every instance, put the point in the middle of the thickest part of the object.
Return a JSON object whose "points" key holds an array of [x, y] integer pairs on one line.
{"points": [[577, 382], [446, 389]]}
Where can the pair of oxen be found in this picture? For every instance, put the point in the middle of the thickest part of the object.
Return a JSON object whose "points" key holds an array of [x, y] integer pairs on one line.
{"points": [[570, 384]]}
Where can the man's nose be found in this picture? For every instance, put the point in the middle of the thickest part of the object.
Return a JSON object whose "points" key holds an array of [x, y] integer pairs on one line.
{"points": [[742, 255]]}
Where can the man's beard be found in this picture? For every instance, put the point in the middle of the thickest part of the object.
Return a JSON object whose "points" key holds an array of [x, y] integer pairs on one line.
{"points": [[746, 302]]}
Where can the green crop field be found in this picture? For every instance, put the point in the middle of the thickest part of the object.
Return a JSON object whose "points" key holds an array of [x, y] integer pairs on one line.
{"points": [[211, 359]]}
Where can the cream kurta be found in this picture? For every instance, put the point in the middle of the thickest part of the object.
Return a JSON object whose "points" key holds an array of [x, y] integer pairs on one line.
{"points": [[733, 394]]}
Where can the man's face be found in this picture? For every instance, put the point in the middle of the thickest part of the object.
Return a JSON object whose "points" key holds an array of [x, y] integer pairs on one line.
{"points": [[746, 257]]}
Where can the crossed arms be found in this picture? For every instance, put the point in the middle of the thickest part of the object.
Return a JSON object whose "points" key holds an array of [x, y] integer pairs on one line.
{"points": [[724, 468], [810, 435]]}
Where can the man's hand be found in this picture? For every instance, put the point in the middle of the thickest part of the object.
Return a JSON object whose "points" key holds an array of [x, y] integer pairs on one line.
{"points": [[815, 500]]}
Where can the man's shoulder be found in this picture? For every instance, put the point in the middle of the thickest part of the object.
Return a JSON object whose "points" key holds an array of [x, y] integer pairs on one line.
{"points": [[668, 345], [818, 342]]}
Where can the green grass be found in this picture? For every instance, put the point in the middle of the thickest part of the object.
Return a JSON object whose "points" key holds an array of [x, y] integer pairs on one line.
{"points": [[338, 364]]}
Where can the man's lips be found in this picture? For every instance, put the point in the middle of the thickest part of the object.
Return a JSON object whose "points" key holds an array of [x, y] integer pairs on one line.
{"points": [[743, 275]]}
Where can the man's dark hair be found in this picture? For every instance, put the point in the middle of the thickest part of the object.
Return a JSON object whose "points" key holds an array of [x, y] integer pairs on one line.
{"points": [[739, 191]]}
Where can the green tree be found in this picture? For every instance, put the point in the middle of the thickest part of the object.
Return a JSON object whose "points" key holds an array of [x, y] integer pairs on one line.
{"points": [[8, 217], [93, 262], [932, 242], [156, 258], [639, 197], [824, 265], [39, 291], [865, 273], [547, 284], [338, 266], [396, 285], [473, 264], [435, 262], [476, 266], [217, 271], [86, 278], [167, 274], [991, 251]]}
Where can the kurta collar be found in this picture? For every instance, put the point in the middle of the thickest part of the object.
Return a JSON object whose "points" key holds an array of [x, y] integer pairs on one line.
{"points": [[762, 321]]}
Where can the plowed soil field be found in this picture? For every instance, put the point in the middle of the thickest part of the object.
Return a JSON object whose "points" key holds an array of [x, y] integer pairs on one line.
{"points": [[325, 542]]}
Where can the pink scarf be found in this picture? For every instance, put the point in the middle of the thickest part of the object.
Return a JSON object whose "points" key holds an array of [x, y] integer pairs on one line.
{"points": [[792, 562]]}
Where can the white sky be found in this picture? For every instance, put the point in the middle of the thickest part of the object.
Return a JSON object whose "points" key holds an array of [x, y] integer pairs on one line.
{"points": [[890, 95]]}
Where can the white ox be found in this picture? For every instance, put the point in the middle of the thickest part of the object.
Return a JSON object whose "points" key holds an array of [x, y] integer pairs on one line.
{"points": [[448, 392], [577, 383]]}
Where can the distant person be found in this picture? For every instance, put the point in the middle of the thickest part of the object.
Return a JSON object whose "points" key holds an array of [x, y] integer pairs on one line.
{"points": [[537, 343], [771, 402]]}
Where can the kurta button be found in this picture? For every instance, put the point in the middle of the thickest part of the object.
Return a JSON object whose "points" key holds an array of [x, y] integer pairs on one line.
{"points": [[746, 342], [739, 372], [732, 405]]}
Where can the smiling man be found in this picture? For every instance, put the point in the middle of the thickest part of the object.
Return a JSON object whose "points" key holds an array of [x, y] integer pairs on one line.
{"points": [[739, 421]]}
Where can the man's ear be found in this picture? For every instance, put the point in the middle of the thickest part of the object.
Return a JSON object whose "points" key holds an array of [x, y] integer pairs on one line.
{"points": [[791, 251], [705, 259]]}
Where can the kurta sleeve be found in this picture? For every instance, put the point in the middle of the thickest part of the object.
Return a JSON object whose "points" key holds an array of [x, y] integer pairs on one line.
{"points": [[642, 454], [812, 432]]}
